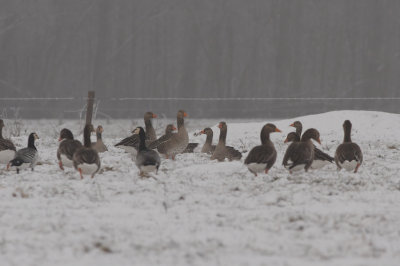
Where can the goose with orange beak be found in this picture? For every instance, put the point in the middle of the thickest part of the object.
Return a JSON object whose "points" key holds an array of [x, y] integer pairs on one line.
{"points": [[300, 155], [208, 147], [261, 158]]}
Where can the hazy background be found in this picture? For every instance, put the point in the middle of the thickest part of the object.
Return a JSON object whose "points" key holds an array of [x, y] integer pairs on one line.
{"points": [[199, 48]]}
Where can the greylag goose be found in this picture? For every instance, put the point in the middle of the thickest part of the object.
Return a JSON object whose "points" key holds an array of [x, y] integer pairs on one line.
{"points": [[7, 148], [321, 159], [160, 143], [301, 154], [99, 146], [178, 142], [131, 144], [146, 160], [348, 154], [261, 158], [66, 149], [26, 157], [221, 150], [86, 160], [208, 147]]}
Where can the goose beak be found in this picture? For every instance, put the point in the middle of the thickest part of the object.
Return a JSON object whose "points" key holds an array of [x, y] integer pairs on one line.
{"points": [[220, 126], [286, 141], [185, 114], [173, 128], [154, 116], [277, 130], [292, 125], [319, 141], [202, 132], [59, 139]]}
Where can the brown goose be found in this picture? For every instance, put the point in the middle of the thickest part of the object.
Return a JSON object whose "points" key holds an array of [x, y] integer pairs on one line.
{"points": [[99, 146], [301, 154], [7, 148], [208, 147], [348, 155], [178, 142], [221, 150], [261, 158], [131, 144], [321, 159], [66, 149], [86, 160], [160, 142]]}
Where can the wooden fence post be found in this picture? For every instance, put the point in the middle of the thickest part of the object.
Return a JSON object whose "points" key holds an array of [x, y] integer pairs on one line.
{"points": [[89, 110]]}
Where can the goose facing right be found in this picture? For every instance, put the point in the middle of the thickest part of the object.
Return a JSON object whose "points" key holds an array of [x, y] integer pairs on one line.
{"points": [[26, 157], [261, 158], [7, 148], [146, 160], [348, 154]]}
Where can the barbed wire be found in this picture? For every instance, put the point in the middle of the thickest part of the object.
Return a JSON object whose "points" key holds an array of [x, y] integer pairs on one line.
{"points": [[203, 98]]}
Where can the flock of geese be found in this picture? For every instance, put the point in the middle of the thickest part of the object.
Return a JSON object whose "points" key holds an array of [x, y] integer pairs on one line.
{"points": [[300, 154]]}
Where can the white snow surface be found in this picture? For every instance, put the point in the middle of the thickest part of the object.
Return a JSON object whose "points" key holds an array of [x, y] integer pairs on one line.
{"points": [[201, 212]]}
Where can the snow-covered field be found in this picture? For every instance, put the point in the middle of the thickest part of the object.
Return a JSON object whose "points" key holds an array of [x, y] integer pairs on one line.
{"points": [[200, 212]]}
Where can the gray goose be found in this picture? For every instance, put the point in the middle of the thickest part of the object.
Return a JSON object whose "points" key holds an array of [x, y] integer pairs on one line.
{"points": [[86, 160], [99, 145], [26, 157], [321, 158], [178, 142], [221, 150], [348, 154], [66, 149], [7, 148], [208, 147], [261, 158], [131, 144], [146, 160], [300, 154], [161, 141]]}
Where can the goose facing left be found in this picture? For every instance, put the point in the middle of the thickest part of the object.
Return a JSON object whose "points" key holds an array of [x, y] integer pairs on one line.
{"points": [[86, 160], [66, 149], [7, 148], [26, 157]]}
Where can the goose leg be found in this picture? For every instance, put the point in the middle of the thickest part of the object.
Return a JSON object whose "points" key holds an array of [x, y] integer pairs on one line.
{"points": [[358, 166], [266, 171], [17, 170], [80, 172], [61, 165]]}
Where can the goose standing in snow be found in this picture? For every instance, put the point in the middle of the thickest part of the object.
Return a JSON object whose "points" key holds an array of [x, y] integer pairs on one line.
{"points": [[86, 160], [261, 158], [321, 158], [99, 145], [131, 144], [160, 143], [26, 157], [300, 154], [7, 148], [208, 147], [146, 160], [221, 150], [348, 154], [66, 149]]}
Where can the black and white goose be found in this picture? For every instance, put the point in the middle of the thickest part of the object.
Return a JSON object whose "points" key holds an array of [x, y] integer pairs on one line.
{"points": [[147, 160], [86, 160], [26, 157], [66, 149], [131, 144], [300, 155], [7, 148], [348, 154], [321, 158], [261, 158]]}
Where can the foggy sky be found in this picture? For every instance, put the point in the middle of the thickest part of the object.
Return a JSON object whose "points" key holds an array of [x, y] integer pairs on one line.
{"points": [[193, 48]]}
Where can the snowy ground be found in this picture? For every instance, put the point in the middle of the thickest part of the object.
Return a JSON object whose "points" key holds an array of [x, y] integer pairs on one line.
{"points": [[207, 213]]}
